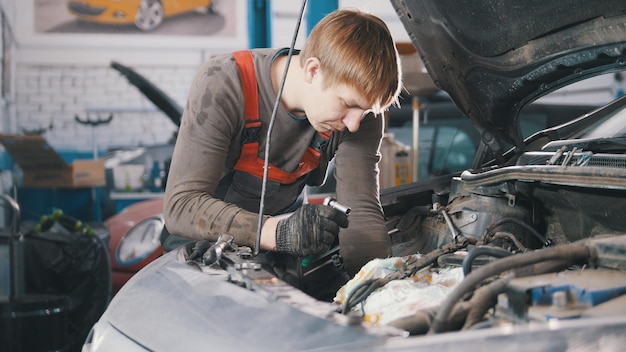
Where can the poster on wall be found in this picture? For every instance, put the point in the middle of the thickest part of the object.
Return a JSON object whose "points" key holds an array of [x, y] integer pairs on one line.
{"points": [[141, 23]]}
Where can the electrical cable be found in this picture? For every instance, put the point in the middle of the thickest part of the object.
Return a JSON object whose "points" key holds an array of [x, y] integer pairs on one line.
{"points": [[360, 293], [271, 125], [363, 290]]}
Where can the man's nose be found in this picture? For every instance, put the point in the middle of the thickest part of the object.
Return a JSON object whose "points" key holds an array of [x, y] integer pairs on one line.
{"points": [[352, 120]]}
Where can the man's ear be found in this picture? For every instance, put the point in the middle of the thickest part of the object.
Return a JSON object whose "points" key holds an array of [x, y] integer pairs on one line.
{"points": [[311, 68]]}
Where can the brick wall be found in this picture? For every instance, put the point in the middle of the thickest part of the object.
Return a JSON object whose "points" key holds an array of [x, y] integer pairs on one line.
{"points": [[48, 97], [58, 74]]}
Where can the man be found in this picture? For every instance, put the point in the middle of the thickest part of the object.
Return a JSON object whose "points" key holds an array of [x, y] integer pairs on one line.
{"points": [[335, 91]]}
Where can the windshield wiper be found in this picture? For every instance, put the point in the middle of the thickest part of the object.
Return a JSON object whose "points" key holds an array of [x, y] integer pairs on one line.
{"points": [[595, 145]]}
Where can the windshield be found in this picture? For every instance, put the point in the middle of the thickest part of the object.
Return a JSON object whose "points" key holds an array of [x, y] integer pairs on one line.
{"points": [[612, 126], [606, 133]]}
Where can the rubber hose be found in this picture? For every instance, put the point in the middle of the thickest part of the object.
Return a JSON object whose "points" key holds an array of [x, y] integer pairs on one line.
{"points": [[574, 252], [477, 252], [416, 324], [524, 225], [510, 237], [486, 296], [420, 322]]}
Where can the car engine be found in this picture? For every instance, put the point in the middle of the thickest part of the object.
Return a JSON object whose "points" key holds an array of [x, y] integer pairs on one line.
{"points": [[538, 241]]}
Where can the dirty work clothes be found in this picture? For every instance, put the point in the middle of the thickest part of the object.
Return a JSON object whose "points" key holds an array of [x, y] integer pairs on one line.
{"points": [[209, 144]]}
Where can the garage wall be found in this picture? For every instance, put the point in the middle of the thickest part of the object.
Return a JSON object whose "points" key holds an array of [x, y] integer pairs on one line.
{"points": [[49, 97], [59, 76], [62, 73]]}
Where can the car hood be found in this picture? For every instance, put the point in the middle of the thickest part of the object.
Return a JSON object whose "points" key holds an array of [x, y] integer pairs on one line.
{"points": [[158, 97], [171, 305], [494, 56]]}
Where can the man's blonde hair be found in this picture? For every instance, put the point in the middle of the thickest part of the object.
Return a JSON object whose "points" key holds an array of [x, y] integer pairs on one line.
{"points": [[356, 48]]}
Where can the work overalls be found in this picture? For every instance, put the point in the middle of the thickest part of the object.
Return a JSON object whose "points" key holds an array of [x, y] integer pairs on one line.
{"points": [[242, 186]]}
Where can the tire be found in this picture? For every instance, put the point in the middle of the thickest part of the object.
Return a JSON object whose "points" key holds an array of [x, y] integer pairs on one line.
{"points": [[149, 15]]}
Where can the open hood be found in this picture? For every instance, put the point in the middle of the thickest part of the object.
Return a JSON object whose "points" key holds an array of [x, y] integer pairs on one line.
{"points": [[159, 98], [495, 56]]}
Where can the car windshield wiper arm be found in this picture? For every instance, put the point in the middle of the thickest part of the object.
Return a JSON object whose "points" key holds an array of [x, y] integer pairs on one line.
{"points": [[595, 145]]}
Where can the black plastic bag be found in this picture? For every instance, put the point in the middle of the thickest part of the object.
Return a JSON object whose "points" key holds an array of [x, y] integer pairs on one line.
{"points": [[65, 257]]}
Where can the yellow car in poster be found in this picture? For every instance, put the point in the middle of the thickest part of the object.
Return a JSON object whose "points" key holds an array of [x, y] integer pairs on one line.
{"points": [[145, 14]]}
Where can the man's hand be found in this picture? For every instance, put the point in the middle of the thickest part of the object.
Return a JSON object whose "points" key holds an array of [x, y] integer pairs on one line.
{"points": [[312, 229]]}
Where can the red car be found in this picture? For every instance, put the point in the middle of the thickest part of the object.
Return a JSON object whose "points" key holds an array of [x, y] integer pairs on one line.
{"points": [[134, 239]]}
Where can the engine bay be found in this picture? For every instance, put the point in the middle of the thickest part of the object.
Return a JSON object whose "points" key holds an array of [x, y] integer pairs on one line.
{"points": [[537, 241], [516, 246]]}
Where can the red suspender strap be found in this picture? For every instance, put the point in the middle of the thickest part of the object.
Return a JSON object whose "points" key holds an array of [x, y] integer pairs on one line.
{"points": [[245, 63], [252, 130], [249, 160]]}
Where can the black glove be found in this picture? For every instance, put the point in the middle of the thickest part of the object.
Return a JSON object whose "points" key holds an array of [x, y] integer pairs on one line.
{"points": [[312, 229]]}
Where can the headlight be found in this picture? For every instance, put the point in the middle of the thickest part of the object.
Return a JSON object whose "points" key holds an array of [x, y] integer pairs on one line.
{"points": [[141, 241]]}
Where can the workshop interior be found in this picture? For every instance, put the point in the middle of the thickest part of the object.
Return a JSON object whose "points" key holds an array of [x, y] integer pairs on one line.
{"points": [[502, 180]]}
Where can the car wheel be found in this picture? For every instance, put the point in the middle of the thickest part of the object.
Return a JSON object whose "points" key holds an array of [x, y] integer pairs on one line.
{"points": [[149, 15], [214, 6]]}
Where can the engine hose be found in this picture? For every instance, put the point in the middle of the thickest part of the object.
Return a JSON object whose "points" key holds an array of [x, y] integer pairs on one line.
{"points": [[574, 252], [467, 313], [477, 252], [420, 322], [510, 237], [486, 296], [521, 223]]}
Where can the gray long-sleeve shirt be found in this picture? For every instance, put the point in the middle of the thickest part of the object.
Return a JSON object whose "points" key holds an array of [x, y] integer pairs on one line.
{"points": [[209, 144]]}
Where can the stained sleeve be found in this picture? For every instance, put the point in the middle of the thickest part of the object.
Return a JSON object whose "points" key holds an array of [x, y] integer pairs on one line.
{"points": [[211, 123], [356, 172]]}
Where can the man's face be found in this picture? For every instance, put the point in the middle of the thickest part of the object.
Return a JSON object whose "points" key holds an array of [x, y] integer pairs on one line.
{"points": [[335, 108]]}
